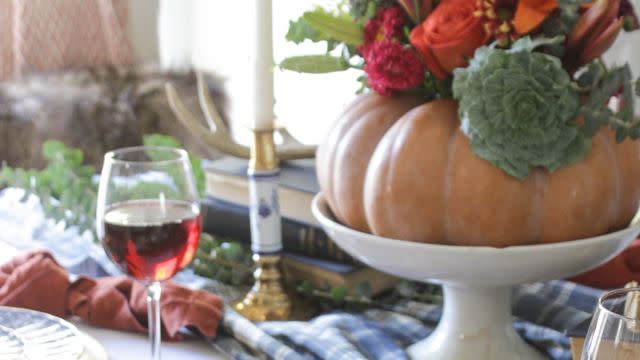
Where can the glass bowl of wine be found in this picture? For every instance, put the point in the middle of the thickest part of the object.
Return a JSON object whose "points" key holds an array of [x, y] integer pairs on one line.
{"points": [[148, 218]]}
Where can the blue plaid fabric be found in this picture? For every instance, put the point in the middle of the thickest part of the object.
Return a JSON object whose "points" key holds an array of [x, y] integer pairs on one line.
{"points": [[542, 313]]}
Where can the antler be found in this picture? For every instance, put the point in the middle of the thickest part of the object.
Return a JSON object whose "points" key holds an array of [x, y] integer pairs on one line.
{"points": [[218, 135]]}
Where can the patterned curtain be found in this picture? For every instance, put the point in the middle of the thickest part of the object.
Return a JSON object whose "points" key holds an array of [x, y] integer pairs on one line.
{"points": [[54, 34]]}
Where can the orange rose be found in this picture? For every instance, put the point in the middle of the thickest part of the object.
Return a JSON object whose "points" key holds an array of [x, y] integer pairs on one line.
{"points": [[449, 36]]}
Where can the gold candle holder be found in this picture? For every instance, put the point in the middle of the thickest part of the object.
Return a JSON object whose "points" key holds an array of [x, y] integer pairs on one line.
{"points": [[267, 299]]}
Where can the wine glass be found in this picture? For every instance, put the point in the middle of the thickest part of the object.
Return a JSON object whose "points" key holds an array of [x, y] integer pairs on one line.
{"points": [[614, 333], [148, 218]]}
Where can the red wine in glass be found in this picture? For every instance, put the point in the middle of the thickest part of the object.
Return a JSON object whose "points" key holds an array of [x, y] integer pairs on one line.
{"points": [[151, 239]]}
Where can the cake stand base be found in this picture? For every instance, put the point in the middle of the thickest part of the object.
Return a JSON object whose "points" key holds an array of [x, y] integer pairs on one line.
{"points": [[476, 324]]}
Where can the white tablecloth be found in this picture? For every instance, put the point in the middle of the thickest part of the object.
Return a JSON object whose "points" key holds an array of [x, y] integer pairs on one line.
{"points": [[127, 346], [131, 346]]}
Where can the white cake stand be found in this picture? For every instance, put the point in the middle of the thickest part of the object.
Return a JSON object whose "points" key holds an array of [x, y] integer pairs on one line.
{"points": [[476, 322]]}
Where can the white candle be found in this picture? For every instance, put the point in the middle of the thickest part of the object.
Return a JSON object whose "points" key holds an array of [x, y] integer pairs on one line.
{"points": [[261, 65]]}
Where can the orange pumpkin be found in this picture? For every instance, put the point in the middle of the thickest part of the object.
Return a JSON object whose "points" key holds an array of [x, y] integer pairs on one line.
{"points": [[402, 169]]}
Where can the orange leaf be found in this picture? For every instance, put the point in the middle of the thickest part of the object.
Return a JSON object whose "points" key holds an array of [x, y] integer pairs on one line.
{"points": [[531, 13]]}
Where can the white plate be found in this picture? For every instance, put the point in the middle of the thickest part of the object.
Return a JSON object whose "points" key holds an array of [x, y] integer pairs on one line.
{"points": [[93, 350], [44, 336], [10, 345]]}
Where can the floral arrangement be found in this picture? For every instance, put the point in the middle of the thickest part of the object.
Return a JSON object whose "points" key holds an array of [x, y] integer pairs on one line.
{"points": [[531, 86]]}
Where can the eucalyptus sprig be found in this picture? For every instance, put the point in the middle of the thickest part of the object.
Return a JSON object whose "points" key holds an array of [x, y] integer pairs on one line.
{"points": [[361, 297], [65, 186], [224, 260]]}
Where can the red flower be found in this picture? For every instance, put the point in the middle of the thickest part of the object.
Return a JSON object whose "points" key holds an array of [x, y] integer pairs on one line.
{"points": [[391, 67], [385, 25], [449, 36]]}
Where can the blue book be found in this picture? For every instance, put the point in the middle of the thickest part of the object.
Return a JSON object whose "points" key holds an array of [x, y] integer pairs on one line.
{"points": [[226, 179], [231, 220], [322, 272]]}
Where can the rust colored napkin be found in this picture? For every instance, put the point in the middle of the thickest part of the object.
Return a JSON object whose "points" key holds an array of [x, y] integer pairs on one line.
{"points": [[617, 272], [36, 281]]}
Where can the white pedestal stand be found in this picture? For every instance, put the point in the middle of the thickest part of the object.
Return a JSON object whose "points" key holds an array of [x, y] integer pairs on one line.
{"points": [[476, 322]]}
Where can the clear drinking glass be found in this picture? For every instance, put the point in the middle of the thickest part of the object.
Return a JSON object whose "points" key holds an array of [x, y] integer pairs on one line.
{"points": [[148, 218], [614, 334]]}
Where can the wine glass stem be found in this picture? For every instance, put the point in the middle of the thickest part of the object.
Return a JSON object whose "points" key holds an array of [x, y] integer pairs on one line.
{"points": [[153, 302]]}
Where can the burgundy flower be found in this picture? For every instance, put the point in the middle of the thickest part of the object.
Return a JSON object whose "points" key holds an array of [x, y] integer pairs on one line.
{"points": [[392, 67], [385, 25]]}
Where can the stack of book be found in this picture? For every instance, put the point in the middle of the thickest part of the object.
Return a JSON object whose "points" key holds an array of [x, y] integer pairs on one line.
{"points": [[309, 254]]}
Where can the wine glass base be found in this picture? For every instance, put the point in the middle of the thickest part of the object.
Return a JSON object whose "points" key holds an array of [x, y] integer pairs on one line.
{"points": [[476, 324]]}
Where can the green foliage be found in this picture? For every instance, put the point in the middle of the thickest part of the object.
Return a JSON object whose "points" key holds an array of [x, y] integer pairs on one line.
{"points": [[528, 44], [590, 76], [365, 9], [339, 293], [322, 25], [562, 24], [300, 30], [314, 64], [65, 186], [602, 84], [342, 34], [196, 162], [223, 260], [361, 298], [638, 87], [160, 140], [329, 298], [423, 292], [363, 290], [519, 107], [340, 27]]}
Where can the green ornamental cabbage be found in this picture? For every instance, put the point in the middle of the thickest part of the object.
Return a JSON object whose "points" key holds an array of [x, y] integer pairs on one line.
{"points": [[519, 108]]}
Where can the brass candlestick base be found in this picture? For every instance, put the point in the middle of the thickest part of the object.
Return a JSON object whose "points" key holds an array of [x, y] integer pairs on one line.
{"points": [[267, 299]]}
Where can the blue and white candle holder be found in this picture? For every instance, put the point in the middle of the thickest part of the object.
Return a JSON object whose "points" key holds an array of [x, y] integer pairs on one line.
{"points": [[267, 299]]}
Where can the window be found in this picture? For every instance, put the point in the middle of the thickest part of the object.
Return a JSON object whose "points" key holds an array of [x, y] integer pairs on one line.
{"points": [[306, 104]]}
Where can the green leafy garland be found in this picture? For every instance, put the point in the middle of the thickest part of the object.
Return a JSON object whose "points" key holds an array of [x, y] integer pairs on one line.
{"points": [[67, 189], [65, 186]]}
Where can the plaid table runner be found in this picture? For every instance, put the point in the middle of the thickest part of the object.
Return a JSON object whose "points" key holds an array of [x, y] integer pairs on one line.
{"points": [[542, 311]]}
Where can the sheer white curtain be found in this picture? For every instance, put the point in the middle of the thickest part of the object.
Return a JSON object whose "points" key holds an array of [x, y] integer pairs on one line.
{"points": [[49, 35]]}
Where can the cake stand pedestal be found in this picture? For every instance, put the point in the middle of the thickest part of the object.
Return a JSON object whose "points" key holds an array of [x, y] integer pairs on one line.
{"points": [[476, 323], [477, 281]]}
